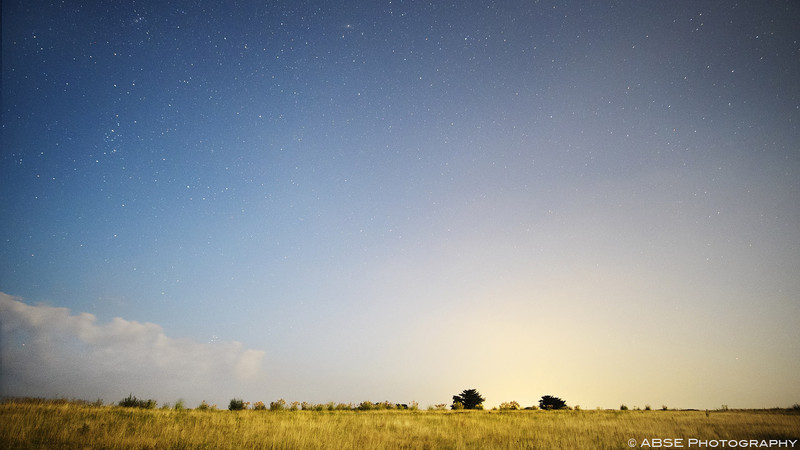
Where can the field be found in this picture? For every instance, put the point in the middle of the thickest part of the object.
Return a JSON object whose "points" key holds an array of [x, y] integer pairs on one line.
{"points": [[68, 425]]}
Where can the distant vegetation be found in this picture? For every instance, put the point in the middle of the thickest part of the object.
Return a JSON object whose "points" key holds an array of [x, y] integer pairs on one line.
{"points": [[509, 406], [237, 404], [77, 424], [468, 399], [132, 402], [550, 402]]}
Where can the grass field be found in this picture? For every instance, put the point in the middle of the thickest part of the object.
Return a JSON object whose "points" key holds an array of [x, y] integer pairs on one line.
{"points": [[68, 425]]}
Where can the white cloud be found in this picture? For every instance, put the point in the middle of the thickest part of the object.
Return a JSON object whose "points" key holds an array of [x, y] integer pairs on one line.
{"points": [[46, 351]]}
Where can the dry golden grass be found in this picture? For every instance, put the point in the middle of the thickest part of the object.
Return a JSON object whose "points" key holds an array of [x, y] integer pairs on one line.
{"points": [[67, 426]]}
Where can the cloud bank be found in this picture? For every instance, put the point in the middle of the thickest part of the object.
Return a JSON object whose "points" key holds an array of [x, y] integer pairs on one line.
{"points": [[47, 351]]}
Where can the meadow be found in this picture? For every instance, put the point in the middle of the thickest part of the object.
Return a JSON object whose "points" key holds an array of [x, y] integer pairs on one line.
{"points": [[67, 425]]}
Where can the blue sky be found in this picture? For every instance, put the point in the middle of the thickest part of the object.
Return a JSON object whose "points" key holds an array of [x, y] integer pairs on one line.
{"points": [[401, 200]]}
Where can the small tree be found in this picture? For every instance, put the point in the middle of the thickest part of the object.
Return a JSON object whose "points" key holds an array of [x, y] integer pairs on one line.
{"points": [[470, 399], [550, 402], [236, 404]]}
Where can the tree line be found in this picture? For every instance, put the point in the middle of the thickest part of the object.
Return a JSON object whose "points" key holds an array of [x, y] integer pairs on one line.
{"points": [[472, 399], [467, 399]]}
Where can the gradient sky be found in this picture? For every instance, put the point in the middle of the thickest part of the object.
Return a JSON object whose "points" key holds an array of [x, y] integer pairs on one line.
{"points": [[398, 200]]}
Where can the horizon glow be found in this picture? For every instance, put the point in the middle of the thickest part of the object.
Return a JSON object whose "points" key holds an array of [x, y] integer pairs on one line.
{"points": [[402, 200]]}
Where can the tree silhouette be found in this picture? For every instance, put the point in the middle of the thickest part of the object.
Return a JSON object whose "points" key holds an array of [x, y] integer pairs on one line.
{"points": [[470, 399], [550, 402]]}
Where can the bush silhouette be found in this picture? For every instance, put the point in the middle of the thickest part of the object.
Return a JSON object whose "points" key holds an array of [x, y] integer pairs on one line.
{"points": [[550, 402], [132, 402], [236, 404], [469, 399]]}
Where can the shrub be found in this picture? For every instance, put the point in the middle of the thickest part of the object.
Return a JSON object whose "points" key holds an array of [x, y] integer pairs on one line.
{"points": [[506, 406], [180, 405], [132, 402], [457, 405], [623, 407], [279, 405], [236, 404], [294, 406], [647, 407], [203, 406], [366, 406], [129, 402], [259, 406]]}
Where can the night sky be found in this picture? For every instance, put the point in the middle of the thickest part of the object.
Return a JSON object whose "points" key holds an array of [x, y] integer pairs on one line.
{"points": [[398, 200]]}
